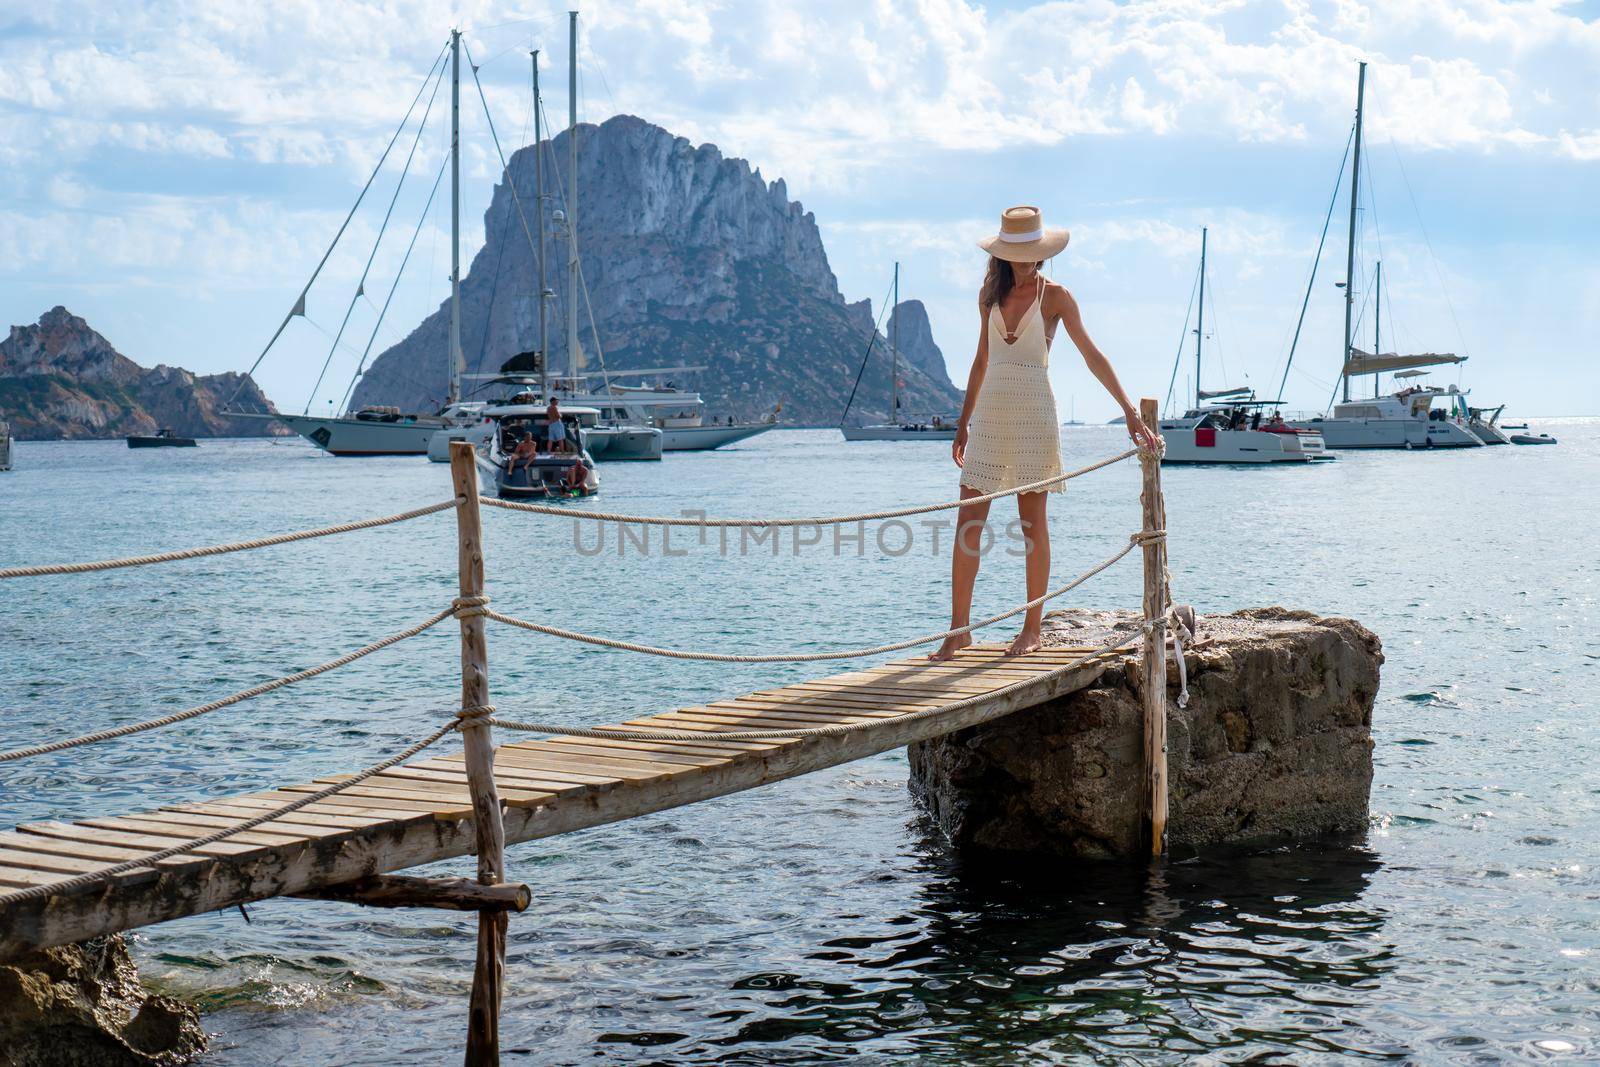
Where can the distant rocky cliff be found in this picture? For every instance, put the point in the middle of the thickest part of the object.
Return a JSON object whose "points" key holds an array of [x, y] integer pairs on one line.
{"points": [[689, 258], [61, 379]]}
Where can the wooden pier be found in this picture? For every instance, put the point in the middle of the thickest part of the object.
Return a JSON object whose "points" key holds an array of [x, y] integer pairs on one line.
{"points": [[422, 811], [339, 838]]}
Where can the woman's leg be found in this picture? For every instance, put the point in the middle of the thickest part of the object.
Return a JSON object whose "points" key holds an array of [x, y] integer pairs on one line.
{"points": [[965, 555], [1031, 509]]}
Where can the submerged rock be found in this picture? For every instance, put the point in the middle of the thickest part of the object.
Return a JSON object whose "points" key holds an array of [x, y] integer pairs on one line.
{"points": [[1275, 744], [82, 1006]]}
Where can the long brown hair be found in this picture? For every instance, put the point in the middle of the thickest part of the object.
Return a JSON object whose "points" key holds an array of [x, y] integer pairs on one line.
{"points": [[998, 281]]}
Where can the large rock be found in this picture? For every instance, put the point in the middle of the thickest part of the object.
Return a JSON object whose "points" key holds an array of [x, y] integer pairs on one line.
{"points": [[1275, 744], [61, 379], [689, 258], [82, 1006]]}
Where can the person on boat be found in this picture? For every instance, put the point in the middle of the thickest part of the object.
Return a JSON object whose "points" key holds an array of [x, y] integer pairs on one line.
{"points": [[526, 452], [557, 430], [1276, 424], [576, 475], [1007, 435]]}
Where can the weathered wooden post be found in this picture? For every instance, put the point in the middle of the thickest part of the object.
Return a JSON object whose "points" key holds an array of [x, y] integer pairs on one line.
{"points": [[483, 1025], [1155, 640]]}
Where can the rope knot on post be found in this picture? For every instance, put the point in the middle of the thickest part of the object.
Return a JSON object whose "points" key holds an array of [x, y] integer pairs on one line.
{"points": [[1146, 537], [467, 607], [474, 713]]}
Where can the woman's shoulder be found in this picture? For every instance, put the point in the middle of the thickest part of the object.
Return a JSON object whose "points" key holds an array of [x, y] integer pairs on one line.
{"points": [[1057, 296]]}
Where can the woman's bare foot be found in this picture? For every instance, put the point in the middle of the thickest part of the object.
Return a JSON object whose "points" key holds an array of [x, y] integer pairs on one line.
{"points": [[952, 644], [1025, 642]]}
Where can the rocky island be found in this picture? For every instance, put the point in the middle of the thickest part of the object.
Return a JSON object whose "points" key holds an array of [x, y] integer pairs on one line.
{"points": [[60, 379], [691, 258]]}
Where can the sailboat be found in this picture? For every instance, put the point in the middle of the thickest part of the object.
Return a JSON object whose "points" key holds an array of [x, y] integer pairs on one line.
{"points": [[383, 430], [896, 429], [1226, 425], [1406, 418], [936, 428]]}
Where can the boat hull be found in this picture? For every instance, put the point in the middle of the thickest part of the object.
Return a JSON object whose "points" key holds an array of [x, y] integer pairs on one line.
{"points": [[160, 442], [1488, 432], [1532, 439], [360, 437], [1349, 433], [545, 480], [480, 434], [625, 443], [704, 438], [1188, 444], [898, 433]]}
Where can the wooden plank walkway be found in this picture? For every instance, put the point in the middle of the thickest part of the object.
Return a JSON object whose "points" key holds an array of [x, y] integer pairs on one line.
{"points": [[420, 812]]}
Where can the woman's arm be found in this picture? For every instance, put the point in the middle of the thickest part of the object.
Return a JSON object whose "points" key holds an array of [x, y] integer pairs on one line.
{"points": [[1100, 366], [980, 366]]}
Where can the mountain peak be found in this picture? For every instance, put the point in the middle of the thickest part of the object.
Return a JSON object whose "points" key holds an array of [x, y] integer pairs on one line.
{"points": [[688, 257]]}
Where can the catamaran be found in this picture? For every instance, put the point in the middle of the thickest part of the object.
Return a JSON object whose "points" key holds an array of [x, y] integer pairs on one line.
{"points": [[1406, 418], [935, 428], [1226, 425]]}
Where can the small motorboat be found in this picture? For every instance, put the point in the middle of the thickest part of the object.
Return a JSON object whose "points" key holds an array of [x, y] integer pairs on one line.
{"points": [[165, 439], [1236, 428], [550, 474], [1532, 439]]}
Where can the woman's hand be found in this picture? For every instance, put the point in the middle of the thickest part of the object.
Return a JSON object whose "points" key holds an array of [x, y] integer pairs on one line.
{"points": [[1142, 435], [958, 447]]}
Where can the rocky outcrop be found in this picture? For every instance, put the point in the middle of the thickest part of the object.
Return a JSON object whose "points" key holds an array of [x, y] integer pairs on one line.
{"points": [[917, 346], [61, 379], [1275, 744], [689, 258], [82, 1006]]}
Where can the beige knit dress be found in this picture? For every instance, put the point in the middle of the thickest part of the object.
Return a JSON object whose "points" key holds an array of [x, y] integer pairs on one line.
{"points": [[1014, 439]]}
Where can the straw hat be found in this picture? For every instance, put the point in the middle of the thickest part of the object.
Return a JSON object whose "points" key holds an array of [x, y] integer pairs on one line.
{"points": [[1023, 238]]}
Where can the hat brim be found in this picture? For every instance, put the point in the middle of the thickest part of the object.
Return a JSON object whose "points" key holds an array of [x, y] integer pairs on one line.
{"points": [[1046, 247]]}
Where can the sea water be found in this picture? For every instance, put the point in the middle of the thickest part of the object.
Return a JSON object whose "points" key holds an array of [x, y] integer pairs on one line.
{"points": [[820, 919]]}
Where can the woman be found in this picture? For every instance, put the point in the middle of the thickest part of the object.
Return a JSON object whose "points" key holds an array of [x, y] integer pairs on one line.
{"points": [[1008, 434]]}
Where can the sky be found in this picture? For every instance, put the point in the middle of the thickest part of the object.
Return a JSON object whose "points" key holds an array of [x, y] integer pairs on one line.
{"points": [[174, 171]]}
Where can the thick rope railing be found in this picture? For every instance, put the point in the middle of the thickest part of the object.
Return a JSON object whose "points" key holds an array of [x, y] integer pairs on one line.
{"points": [[227, 701], [83, 881], [217, 550], [818, 520], [1134, 541], [608, 733]]}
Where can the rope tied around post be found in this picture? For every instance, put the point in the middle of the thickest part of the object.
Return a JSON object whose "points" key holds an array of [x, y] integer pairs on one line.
{"points": [[476, 712], [470, 607]]}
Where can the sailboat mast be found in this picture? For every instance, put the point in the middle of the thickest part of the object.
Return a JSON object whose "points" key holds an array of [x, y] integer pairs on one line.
{"points": [[894, 351], [455, 217], [1377, 322], [1200, 324], [572, 195], [1350, 250], [538, 199]]}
